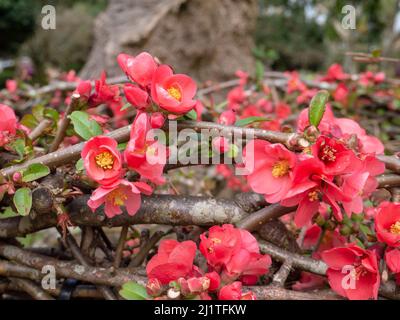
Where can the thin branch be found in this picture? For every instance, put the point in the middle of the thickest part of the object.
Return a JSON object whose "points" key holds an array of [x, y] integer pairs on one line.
{"points": [[67, 269], [280, 277], [145, 248], [73, 246], [32, 289], [255, 220], [120, 246], [62, 128], [272, 292], [40, 128]]}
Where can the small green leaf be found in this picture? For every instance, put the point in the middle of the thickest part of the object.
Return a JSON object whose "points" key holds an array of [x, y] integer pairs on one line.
{"points": [[19, 147], [23, 201], [79, 165], [122, 146], [126, 106], [317, 107], [366, 230], [246, 121], [83, 126], [29, 121], [35, 171], [192, 115], [133, 291]]}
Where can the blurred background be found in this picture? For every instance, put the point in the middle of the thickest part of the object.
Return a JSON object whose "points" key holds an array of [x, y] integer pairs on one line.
{"points": [[208, 39]]}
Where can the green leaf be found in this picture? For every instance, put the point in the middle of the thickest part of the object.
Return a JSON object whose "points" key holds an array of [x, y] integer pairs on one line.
{"points": [[83, 126], [35, 171], [126, 106], [366, 230], [79, 165], [122, 146], [19, 147], [192, 115], [133, 291], [317, 107], [23, 201], [246, 121], [29, 121]]}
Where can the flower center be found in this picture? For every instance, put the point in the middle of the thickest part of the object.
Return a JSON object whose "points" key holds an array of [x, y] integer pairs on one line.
{"points": [[117, 197], [175, 93], [105, 160], [395, 228], [313, 195], [358, 272], [328, 154], [214, 241], [280, 168]]}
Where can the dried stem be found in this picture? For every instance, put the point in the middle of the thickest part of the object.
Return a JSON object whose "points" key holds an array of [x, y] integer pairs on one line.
{"points": [[120, 246], [32, 289], [41, 127]]}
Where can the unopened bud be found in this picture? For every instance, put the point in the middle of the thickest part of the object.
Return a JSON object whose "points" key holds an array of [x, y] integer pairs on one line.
{"points": [[173, 294], [154, 287]]}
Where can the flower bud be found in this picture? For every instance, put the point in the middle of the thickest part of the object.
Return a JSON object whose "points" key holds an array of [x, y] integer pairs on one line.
{"points": [[154, 287], [157, 120]]}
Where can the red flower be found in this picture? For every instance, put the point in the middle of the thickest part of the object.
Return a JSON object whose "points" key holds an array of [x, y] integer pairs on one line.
{"points": [[143, 153], [335, 73], [233, 291], [227, 118], [102, 160], [310, 187], [392, 258], [173, 92], [136, 96], [272, 164], [104, 93], [341, 93], [235, 252], [8, 123], [139, 69], [174, 260], [335, 156], [121, 192], [387, 223], [353, 272], [84, 88]]}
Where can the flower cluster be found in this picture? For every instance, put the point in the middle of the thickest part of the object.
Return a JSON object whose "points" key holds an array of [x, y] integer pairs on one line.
{"points": [[232, 255], [339, 167], [154, 86]]}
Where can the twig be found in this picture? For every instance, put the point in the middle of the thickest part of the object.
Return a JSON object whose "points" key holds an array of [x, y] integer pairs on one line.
{"points": [[62, 128], [388, 180], [272, 292], [255, 220], [120, 246], [73, 246], [32, 289], [280, 277], [67, 269], [145, 248], [41, 127]]}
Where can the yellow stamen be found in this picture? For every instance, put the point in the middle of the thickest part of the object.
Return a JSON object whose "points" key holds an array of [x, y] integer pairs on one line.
{"points": [[105, 160], [328, 154], [117, 197], [313, 195], [175, 93], [395, 228], [280, 168]]}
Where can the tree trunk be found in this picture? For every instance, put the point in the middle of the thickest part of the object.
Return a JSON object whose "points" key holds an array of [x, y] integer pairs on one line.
{"points": [[208, 39]]}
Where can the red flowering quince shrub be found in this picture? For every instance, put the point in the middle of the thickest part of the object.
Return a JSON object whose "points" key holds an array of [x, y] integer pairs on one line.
{"points": [[318, 182]]}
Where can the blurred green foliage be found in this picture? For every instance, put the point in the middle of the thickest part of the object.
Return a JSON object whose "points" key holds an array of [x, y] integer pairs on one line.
{"points": [[307, 34]]}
